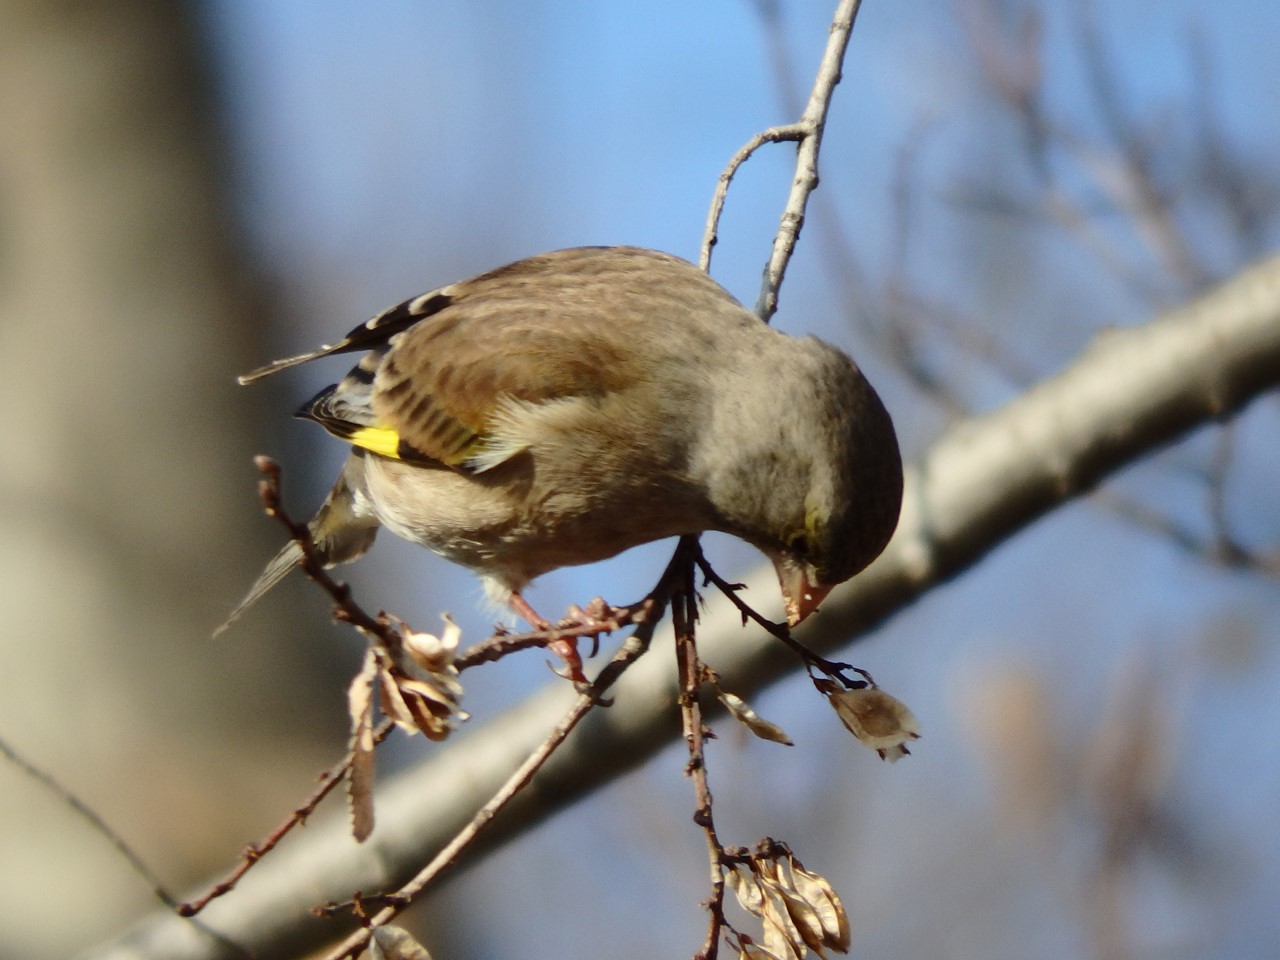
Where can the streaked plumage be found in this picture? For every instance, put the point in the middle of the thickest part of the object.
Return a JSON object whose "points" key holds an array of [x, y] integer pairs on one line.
{"points": [[566, 407]]}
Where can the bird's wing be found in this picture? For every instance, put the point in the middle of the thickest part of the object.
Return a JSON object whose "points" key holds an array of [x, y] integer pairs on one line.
{"points": [[576, 323], [544, 329]]}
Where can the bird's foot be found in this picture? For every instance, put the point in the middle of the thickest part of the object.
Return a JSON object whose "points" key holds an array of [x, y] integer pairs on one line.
{"points": [[596, 619], [566, 648]]}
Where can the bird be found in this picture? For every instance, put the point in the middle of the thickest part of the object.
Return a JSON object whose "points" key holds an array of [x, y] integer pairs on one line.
{"points": [[566, 407]]}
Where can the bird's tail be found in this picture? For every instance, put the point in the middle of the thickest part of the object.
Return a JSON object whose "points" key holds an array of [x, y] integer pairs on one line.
{"points": [[283, 562], [339, 531]]}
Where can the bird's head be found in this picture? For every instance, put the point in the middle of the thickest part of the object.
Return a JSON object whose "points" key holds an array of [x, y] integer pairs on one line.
{"points": [[846, 523], [825, 489]]}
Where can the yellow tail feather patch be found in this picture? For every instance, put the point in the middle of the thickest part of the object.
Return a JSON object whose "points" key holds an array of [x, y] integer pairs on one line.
{"points": [[380, 440]]}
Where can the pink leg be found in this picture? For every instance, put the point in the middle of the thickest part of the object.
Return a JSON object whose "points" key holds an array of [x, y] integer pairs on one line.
{"points": [[565, 648]]}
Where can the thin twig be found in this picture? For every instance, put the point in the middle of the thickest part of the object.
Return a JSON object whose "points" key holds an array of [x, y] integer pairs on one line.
{"points": [[1133, 186], [807, 134], [380, 629], [813, 121], [788, 133], [832, 668], [1226, 546], [386, 630], [256, 851], [684, 616], [835, 242], [1229, 554], [104, 830], [86, 813], [501, 644]]}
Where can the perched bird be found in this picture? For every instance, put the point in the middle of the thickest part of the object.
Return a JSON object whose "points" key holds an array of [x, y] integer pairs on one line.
{"points": [[563, 408]]}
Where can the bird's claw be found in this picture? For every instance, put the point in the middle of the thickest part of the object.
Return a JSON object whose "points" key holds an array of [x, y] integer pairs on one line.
{"points": [[567, 650]]}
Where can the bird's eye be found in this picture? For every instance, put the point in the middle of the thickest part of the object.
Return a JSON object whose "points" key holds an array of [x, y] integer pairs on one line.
{"points": [[798, 545]]}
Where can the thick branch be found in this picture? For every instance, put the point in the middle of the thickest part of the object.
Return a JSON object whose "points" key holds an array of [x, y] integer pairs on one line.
{"points": [[1132, 391]]}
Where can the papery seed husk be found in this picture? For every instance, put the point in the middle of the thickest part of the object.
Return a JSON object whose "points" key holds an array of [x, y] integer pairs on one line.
{"points": [[804, 916], [756, 952], [395, 943], [876, 718], [437, 688], [747, 890], [817, 891], [394, 705], [430, 652], [776, 910], [360, 772], [777, 940], [744, 714]]}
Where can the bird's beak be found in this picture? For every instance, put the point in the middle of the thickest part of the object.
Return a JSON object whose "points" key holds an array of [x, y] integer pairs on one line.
{"points": [[801, 593]]}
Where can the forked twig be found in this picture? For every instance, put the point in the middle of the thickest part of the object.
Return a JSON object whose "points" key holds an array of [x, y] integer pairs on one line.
{"points": [[788, 133], [807, 134]]}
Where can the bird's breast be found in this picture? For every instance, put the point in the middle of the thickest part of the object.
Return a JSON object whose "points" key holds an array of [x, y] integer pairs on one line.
{"points": [[547, 507]]}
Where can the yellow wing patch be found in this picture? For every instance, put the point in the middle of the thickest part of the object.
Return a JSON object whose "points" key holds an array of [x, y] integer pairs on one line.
{"points": [[380, 440]]}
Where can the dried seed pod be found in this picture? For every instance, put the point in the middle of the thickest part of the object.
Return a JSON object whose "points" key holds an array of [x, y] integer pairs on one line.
{"points": [[395, 943], [742, 712], [431, 653], [879, 721]]}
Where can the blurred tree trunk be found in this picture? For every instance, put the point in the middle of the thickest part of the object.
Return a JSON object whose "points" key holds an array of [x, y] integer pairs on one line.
{"points": [[125, 310]]}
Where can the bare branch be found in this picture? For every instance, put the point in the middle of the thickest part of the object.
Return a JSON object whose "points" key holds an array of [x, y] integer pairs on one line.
{"points": [[814, 121], [87, 813], [122, 847], [807, 132], [788, 133]]}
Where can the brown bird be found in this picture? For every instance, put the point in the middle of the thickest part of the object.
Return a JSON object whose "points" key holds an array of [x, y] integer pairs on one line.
{"points": [[565, 407]]}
